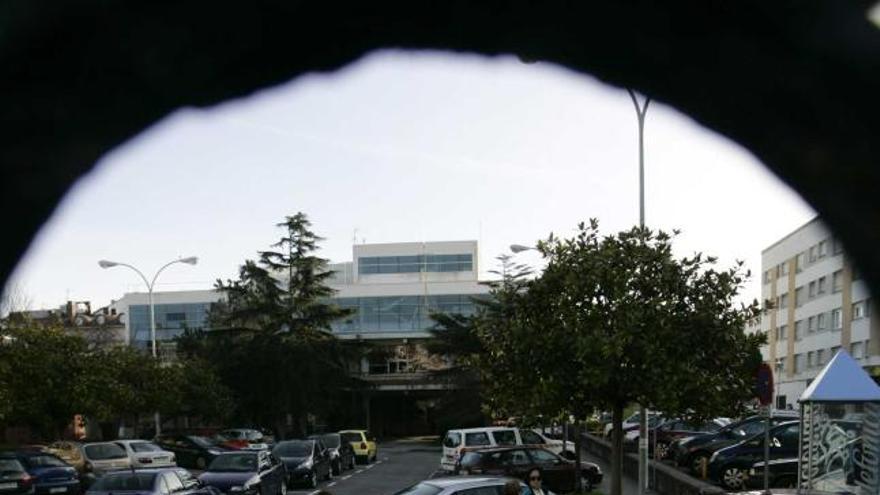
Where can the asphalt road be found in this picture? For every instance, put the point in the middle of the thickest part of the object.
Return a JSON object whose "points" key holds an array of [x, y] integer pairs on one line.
{"points": [[400, 464]]}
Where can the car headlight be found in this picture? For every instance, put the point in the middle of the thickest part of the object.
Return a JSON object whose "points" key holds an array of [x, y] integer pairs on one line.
{"points": [[714, 456], [215, 451], [752, 472], [306, 464]]}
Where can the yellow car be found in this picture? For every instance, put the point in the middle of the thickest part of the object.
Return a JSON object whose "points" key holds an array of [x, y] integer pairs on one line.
{"points": [[364, 444]]}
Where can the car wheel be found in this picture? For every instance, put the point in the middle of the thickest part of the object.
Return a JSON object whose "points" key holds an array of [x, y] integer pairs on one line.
{"points": [[201, 463], [733, 478], [283, 489], [329, 472], [337, 467], [313, 480], [661, 451], [351, 462]]}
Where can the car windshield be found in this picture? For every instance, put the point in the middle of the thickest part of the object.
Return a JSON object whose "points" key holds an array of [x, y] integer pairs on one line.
{"points": [[44, 460], [239, 463], [203, 442], [10, 466], [293, 449], [103, 451], [128, 482], [144, 447], [351, 437], [331, 441]]}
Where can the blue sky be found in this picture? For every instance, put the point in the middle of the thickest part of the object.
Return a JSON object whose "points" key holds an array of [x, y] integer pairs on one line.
{"points": [[401, 146]]}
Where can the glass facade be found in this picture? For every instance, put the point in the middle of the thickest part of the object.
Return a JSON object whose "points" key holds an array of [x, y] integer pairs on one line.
{"points": [[399, 313], [171, 320], [368, 265]]}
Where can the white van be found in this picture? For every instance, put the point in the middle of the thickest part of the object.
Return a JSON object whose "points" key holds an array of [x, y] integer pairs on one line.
{"points": [[456, 442]]}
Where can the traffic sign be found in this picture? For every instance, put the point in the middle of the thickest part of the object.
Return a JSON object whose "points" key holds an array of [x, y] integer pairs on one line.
{"points": [[764, 384]]}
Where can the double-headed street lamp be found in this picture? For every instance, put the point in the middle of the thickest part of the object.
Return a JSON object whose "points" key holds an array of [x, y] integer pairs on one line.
{"points": [[192, 260]]}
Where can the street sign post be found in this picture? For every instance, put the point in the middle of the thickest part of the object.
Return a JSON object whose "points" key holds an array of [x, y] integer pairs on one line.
{"points": [[764, 393]]}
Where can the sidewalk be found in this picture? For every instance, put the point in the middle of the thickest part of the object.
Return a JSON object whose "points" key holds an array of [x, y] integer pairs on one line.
{"points": [[630, 485]]}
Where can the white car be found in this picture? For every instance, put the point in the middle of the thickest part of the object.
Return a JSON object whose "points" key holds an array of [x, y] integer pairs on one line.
{"points": [[145, 454], [456, 442], [632, 421]]}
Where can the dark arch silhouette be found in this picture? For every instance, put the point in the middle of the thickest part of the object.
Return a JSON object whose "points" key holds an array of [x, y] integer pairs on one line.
{"points": [[794, 82]]}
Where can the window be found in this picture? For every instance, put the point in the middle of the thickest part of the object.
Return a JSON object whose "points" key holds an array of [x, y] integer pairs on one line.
{"points": [[823, 249], [799, 330], [504, 437], [783, 268], [820, 320], [542, 457], [780, 332], [858, 310], [767, 277], [476, 439], [837, 246], [820, 357], [814, 254], [834, 350], [857, 350], [175, 317], [783, 301], [530, 438], [798, 363], [801, 262], [836, 319], [811, 359], [780, 402], [811, 324], [823, 285], [370, 265], [780, 366], [837, 281], [452, 440], [799, 298], [481, 490], [174, 483], [812, 289], [515, 457]]}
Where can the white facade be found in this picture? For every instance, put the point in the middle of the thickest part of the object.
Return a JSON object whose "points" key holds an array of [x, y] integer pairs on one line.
{"points": [[819, 307]]}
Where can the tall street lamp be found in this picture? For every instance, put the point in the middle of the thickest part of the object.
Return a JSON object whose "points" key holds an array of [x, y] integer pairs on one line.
{"points": [[641, 111], [192, 260], [518, 248]]}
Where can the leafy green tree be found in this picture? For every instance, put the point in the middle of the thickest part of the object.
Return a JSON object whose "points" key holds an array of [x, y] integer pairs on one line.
{"points": [[620, 319], [274, 327]]}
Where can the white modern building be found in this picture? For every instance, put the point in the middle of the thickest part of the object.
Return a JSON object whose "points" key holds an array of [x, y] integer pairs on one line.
{"points": [[392, 288], [819, 305]]}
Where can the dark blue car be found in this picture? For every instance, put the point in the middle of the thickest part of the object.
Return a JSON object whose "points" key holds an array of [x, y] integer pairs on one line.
{"points": [[49, 474], [164, 481], [246, 473], [730, 466]]}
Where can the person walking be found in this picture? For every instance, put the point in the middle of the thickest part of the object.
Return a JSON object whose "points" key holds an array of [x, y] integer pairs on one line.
{"points": [[534, 480]]}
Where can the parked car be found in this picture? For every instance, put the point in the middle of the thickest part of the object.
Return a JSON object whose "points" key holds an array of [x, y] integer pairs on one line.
{"points": [[537, 439], [364, 444], [51, 474], [729, 466], [691, 452], [14, 478], [460, 485], [191, 451], [560, 475], [662, 436], [632, 432], [457, 442], [246, 473], [161, 481], [69, 452], [145, 454], [242, 439], [783, 474], [629, 423], [102, 458], [305, 461], [341, 452]]}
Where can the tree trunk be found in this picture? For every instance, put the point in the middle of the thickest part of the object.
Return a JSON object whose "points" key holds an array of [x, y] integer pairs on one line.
{"points": [[617, 450]]}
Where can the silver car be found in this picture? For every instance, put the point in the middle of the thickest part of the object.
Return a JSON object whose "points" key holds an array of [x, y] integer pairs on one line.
{"points": [[462, 485]]}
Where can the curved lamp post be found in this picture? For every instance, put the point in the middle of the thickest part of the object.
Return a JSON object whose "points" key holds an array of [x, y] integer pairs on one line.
{"points": [[192, 260]]}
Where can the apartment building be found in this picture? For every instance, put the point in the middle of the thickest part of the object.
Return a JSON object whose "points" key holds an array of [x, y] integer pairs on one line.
{"points": [[819, 306]]}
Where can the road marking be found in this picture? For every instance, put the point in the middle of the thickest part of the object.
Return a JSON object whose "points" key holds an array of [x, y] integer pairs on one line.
{"points": [[384, 458], [359, 471], [331, 484], [346, 477], [371, 466], [315, 492]]}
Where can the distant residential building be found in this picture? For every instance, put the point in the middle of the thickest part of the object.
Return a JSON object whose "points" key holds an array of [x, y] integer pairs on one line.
{"points": [[100, 328], [820, 305]]}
